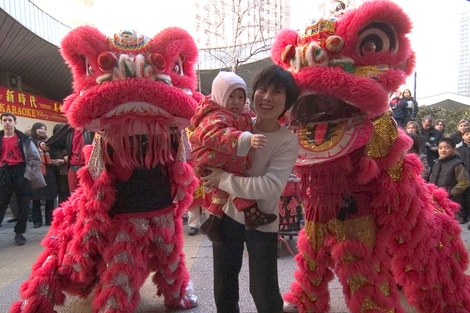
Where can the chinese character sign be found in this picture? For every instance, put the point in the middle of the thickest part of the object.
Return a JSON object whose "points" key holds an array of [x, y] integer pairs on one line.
{"points": [[27, 105]]}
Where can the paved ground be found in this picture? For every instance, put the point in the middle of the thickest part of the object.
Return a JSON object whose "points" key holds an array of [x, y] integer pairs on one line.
{"points": [[15, 265]]}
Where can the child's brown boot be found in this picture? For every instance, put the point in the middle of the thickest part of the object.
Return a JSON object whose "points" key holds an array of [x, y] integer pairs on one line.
{"points": [[255, 218], [211, 228]]}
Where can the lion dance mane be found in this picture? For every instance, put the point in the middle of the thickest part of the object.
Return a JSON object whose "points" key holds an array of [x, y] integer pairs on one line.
{"points": [[370, 217], [125, 220]]}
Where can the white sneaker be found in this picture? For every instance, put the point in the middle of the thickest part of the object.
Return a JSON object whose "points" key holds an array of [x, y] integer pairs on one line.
{"points": [[290, 308]]}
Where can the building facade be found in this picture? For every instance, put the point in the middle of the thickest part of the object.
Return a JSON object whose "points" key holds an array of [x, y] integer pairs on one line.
{"points": [[464, 55]]}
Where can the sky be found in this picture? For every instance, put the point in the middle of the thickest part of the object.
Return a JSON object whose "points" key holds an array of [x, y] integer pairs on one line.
{"points": [[434, 37]]}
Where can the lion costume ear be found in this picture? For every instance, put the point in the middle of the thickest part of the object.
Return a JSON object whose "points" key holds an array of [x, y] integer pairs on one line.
{"points": [[179, 50], [80, 49], [283, 48]]}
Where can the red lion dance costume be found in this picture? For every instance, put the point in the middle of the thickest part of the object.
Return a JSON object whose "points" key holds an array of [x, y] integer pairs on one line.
{"points": [[370, 217], [125, 220]]}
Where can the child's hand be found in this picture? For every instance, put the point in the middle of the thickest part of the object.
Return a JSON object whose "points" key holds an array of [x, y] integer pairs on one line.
{"points": [[258, 141]]}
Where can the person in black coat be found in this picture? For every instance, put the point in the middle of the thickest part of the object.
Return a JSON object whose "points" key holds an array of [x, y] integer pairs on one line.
{"points": [[48, 194], [429, 138], [59, 154], [75, 140], [410, 106], [398, 109], [449, 172], [464, 152]]}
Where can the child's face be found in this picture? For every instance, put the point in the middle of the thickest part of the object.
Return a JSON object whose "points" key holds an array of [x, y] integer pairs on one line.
{"points": [[462, 126], [411, 129], [439, 126], [466, 137], [445, 150], [236, 101]]}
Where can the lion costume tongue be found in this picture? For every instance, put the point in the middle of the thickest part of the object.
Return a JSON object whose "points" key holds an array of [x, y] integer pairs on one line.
{"points": [[320, 133], [328, 128], [326, 141]]}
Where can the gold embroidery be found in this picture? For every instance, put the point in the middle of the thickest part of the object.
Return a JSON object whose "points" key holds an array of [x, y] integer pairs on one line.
{"points": [[312, 265], [369, 305], [316, 281], [217, 200], [316, 233], [349, 258], [362, 229], [385, 288], [396, 170], [356, 282], [385, 134], [312, 297], [96, 162]]}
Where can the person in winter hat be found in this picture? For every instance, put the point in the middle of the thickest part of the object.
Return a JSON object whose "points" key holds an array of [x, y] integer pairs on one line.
{"points": [[222, 137]]}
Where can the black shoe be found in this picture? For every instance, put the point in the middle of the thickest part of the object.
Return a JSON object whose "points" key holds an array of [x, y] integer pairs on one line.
{"points": [[19, 240], [193, 231], [37, 224], [12, 220], [461, 220], [211, 228]]}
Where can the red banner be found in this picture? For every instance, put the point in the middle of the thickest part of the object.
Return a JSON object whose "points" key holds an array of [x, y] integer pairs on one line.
{"points": [[27, 105]]}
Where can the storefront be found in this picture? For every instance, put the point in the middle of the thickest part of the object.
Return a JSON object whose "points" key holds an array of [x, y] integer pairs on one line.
{"points": [[30, 109]]}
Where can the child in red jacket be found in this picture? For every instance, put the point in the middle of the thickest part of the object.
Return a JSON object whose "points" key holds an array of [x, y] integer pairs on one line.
{"points": [[222, 137]]}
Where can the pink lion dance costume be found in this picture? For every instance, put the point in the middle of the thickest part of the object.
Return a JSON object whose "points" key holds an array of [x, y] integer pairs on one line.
{"points": [[125, 220], [370, 217]]}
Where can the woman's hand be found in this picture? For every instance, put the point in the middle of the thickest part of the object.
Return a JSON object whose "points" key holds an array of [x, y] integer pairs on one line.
{"points": [[57, 161], [43, 146], [212, 179]]}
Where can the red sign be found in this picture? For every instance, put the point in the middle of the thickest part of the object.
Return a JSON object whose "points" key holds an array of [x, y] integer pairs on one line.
{"points": [[27, 105]]}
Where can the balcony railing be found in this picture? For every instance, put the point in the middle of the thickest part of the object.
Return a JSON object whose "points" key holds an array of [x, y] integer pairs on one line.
{"points": [[207, 61], [36, 20]]}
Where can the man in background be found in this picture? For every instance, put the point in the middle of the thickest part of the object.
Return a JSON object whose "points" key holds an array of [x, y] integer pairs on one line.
{"points": [[19, 171]]}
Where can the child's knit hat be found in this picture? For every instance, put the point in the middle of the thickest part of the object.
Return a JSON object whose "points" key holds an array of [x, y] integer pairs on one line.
{"points": [[223, 85]]}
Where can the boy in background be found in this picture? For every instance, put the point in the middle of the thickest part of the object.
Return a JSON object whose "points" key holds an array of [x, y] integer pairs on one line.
{"points": [[449, 172]]}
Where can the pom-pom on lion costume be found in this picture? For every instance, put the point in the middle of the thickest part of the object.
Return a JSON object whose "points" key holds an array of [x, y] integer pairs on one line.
{"points": [[370, 217], [125, 221]]}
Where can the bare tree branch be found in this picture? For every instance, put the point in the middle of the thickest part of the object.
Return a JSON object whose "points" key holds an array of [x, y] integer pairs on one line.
{"points": [[242, 29]]}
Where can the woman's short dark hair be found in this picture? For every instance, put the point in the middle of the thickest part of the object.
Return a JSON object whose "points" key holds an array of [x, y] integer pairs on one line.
{"points": [[276, 76]]}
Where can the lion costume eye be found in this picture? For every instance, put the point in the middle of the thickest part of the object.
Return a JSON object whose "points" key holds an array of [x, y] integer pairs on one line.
{"points": [[107, 61], [178, 67], [315, 55], [88, 68], [377, 37]]}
